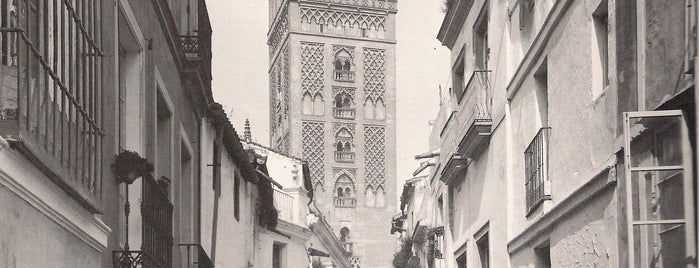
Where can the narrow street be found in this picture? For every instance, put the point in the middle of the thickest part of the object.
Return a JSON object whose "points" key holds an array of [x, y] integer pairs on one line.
{"points": [[348, 133]]}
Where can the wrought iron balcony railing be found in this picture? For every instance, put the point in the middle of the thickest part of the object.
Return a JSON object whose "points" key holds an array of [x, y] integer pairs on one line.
{"points": [[156, 213], [196, 256], [284, 204], [346, 157], [345, 202], [134, 259], [344, 76], [197, 46], [476, 96], [344, 113]]}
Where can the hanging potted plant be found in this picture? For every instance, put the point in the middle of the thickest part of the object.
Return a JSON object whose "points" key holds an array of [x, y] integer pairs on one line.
{"points": [[129, 165]]}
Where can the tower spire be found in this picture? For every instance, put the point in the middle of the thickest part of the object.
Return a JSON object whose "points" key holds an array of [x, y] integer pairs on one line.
{"points": [[247, 135]]}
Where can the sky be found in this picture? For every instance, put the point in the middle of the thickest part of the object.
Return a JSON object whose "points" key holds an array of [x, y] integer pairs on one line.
{"points": [[240, 64]]}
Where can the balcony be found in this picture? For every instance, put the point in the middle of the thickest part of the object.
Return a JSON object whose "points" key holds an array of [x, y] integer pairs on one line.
{"points": [[454, 168], [156, 213], [347, 247], [52, 115], [344, 157], [284, 204], [344, 76], [345, 202], [344, 113], [197, 47], [474, 105], [382, 4], [196, 256]]}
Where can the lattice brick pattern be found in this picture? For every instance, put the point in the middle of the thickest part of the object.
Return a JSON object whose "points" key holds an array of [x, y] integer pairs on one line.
{"points": [[356, 262], [313, 144], [281, 29], [273, 101], [312, 68], [374, 73], [374, 157], [341, 18], [286, 76]]}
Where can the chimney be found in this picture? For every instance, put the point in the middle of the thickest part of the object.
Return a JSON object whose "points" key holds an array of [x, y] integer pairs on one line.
{"points": [[247, 135]]}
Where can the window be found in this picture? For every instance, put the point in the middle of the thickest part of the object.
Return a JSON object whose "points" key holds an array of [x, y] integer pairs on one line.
{"points": [[525, 14], [481, 51], [216, 165], [54, 104], [458, 80], [343, 65], [484, 250], [344, 193], [600, 49], [277, 256], [660, 196], [343, 105], [536, 170], [313, 105], [543, 255], [344, 145], [164, 136], [461, 260]]}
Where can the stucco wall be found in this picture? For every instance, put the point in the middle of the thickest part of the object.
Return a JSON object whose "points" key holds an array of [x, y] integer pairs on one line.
{"points": [[580, 239], [293, 253], [43, 244]]}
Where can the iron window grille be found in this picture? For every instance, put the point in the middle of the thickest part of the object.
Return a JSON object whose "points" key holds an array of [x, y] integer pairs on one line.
{"points": [[51, 64], [536, 169]]}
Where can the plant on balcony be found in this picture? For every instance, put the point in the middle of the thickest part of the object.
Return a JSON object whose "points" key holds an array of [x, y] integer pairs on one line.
{"points": [[129, 165], [400, 258], [267, 214]]}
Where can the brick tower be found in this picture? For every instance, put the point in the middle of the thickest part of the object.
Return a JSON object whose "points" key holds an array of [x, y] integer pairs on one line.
{"points": [[333, 103]]}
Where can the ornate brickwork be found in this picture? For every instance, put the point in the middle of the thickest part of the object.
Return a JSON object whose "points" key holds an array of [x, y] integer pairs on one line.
{"points": [[343, 126], [313, 143], [350, 173], [349, 91], [274, 102], [349, 49], [342, 19], [374, 157], [374, 73], [283, 145], [356, 262], [286, 82], [384, 4], [312, 68], [281, 29]]}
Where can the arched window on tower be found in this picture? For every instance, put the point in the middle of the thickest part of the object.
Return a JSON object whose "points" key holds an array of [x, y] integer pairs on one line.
{"points": [[344, 151], [343, 107], [344, 66], [346, 240], [344, 197]]}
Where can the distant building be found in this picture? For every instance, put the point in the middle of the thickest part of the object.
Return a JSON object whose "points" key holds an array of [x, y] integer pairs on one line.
{"points": [[332, 103], [567, 138]]}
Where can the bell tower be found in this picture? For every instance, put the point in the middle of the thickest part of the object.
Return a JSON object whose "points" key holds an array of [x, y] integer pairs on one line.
{"points": [[333, 104]]}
